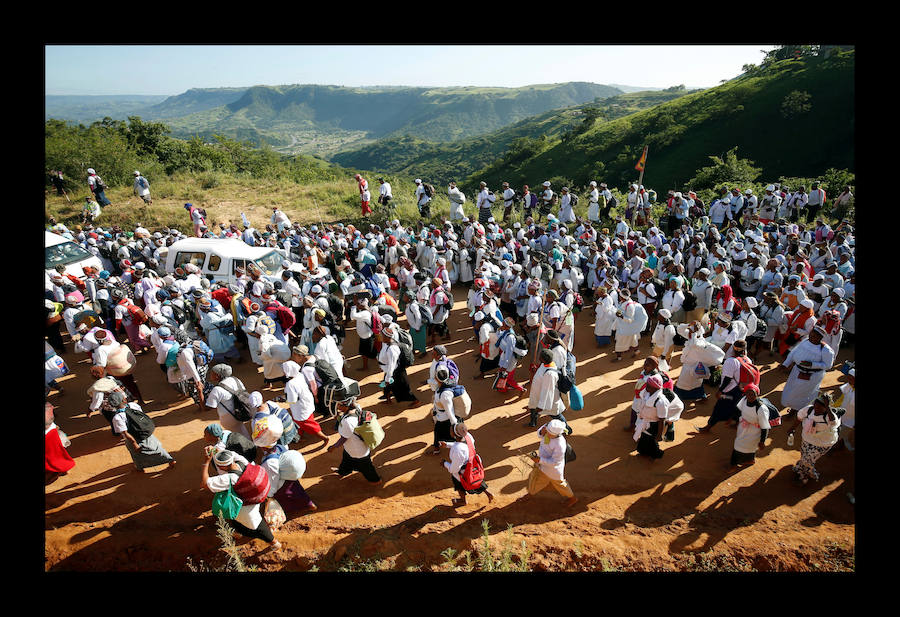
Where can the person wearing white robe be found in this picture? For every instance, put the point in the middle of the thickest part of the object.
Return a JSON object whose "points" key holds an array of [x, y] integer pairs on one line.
{"points": [[544, 396], [630, 320], [807, 363], [663, 338], [605, 311], [752, 429]]}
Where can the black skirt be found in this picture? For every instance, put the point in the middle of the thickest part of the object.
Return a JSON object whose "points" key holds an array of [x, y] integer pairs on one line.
{"points": [[443, 431], [647, 445], [489, 365], [367, 347]]}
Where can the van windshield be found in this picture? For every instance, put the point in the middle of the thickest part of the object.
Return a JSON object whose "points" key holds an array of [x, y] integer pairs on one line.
{"points": [[270, 263], [64, 254]]}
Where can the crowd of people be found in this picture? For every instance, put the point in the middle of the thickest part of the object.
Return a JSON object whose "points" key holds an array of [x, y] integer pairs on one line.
{"points": [[739, 279]]}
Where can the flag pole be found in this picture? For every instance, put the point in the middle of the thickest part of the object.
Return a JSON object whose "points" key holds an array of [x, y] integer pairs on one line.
{"points": [[641, 163]]}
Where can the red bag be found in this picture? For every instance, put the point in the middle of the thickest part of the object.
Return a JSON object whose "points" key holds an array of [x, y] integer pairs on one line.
{"points": [[284, 315], [138, 316], [472, 475], [253, 484], [749, 374]]}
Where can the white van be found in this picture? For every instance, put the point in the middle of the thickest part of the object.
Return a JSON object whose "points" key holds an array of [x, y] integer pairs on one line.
{"points": [[59, 250], [217, 258]]}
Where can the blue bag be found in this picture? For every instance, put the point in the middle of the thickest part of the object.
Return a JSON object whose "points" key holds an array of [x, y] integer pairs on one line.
{"points": [[576, 400]]}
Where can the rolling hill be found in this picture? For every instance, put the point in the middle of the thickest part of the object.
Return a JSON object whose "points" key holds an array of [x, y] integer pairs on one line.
{"points": [[748, 112], [441, 162]]}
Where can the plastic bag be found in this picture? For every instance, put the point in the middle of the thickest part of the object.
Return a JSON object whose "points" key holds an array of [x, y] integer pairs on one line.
{"points": [[275, 516]]}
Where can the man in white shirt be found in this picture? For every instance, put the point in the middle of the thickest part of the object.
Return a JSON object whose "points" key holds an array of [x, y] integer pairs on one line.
{"points": [[356, 456], [508, 199], [222, 400], [384, 194], [327, 349], [142, 188], [422, 199], [815, 201], [550, 463], [459, 457]]}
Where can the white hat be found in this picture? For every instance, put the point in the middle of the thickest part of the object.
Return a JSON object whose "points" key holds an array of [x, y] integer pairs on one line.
{"points": [[740, 255], [748, 192], [664, 313], [556, 427], [807, 303], [770, 188], [532, 319], [91, 170], [839, 292], [547, 183], [593, 183], [751, 302], [418, 181], [256, 399]]}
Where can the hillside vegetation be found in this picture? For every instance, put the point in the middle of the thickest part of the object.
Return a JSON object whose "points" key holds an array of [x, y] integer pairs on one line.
{"points": [[752, 112], [446, 161]]}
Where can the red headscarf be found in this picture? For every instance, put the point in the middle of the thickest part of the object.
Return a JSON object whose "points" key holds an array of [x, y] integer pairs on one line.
{"points": [[726, 295]]}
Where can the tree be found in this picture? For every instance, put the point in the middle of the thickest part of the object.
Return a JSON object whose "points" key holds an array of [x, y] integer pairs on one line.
{"points": [[795, 104], [725, 170]]}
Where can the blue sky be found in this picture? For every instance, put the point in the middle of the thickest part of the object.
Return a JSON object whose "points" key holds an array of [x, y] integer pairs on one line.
{"points": [[172, 69]]}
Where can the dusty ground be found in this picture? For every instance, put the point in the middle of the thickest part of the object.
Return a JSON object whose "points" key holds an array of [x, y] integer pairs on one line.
{"points": [[683, 512]]}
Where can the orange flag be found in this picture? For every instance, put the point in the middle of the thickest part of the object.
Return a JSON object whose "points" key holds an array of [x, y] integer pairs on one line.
{"points": [[640, 163]]}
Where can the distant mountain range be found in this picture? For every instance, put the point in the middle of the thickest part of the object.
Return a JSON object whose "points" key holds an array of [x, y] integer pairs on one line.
{"points": [[322, 120]]}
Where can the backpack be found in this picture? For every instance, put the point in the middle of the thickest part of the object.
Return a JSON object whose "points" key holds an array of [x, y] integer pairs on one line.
{"points": [[472, 474], [452, 369], [429, 190], [326, 373], [138, 316], [406, 348], [831, 322], [573, 201], [368, 429], [690, 301], [139, 423], [242, 410], [178, 313], [462, 402], [377, 324], [570, 453], [774, 416], [284, 315], [749, 374], [227, 504], [253, 484]]}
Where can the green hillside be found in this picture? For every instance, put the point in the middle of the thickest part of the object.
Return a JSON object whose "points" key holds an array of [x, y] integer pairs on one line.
{"points": [[324, 119], [748, 112], [442, 162]]}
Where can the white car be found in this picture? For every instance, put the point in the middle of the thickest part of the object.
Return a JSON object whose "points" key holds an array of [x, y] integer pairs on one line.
{"points": [[217, 258], [59, 250]]}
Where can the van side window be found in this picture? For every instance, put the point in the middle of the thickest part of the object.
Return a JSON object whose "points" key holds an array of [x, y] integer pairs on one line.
{"points": [[184, 257], [238, 263], [214, 262]]}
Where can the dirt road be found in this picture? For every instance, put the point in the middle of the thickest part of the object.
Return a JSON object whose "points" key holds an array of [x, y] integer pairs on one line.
{"points": [[682, 512]]}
